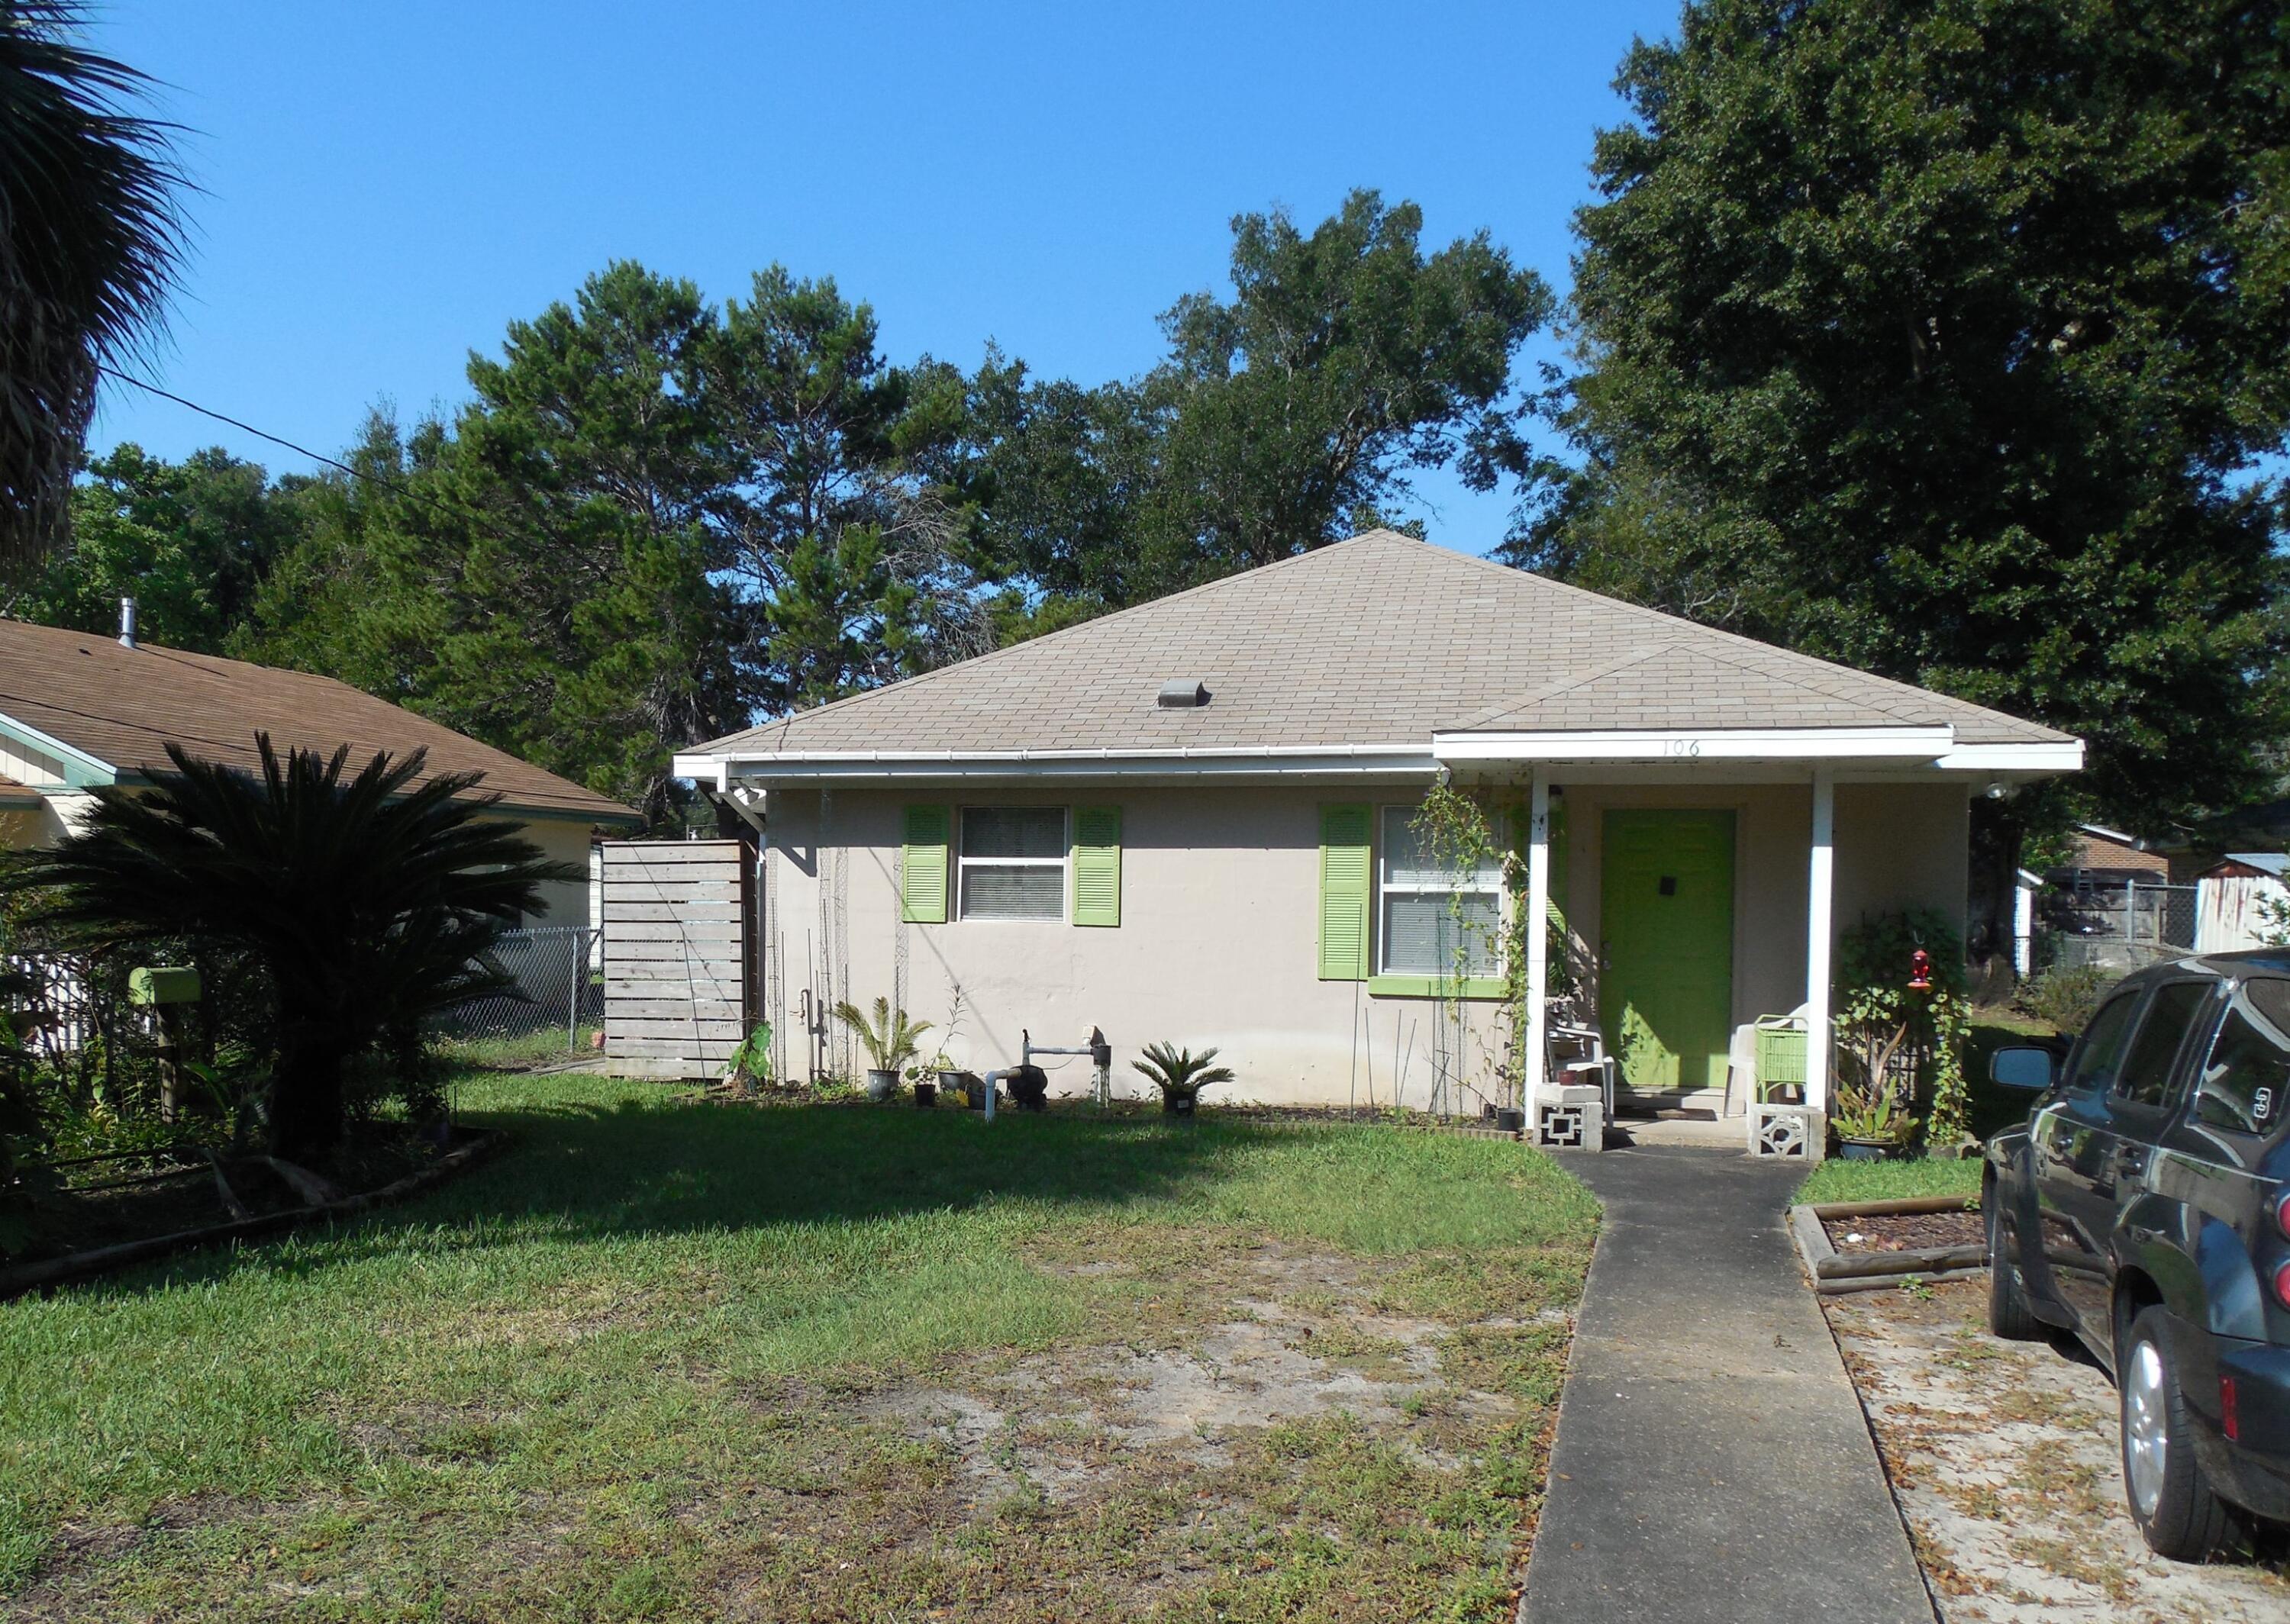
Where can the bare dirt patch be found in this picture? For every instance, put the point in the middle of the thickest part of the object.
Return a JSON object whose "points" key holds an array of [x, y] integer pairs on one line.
{"points": [[2003, 1456], [1903, 1231]]}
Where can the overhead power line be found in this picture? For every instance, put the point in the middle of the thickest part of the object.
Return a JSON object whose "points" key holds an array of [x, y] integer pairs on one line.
{"points": [[260, 434]]}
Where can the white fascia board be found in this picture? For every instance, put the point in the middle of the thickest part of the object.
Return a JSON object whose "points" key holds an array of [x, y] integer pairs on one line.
{"points": [[2062, 756], [81, 770], [1320, 761], [1681, 746]]}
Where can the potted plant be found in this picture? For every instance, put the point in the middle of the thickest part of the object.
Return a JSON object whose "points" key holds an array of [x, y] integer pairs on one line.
{"points": [[751, 1061], [933, 1077], [1181, 1075], [892, 1038], [1870, 1126]]}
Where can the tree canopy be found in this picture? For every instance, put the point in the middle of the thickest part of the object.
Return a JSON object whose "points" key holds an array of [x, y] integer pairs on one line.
{"points": [[657, 519], [1951, 341], [1283, 418]]}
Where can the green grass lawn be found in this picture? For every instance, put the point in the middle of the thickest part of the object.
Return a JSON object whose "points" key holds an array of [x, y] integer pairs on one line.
{"points": [[675, 1360], [1836, 1180]]}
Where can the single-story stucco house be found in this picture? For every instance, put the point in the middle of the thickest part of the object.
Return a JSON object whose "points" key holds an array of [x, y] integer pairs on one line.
{"points": [[78, 710], [1192, 821]]}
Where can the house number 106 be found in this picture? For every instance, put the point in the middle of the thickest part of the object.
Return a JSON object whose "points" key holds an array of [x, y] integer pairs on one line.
{"points": [[1682, 747]]}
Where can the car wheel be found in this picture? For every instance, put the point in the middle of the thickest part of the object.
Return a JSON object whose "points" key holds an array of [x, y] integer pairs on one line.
{"points": [[2008, 1314], [2171, 1496]]}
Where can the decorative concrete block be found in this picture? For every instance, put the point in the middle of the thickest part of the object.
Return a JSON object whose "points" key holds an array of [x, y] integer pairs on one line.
{"points": [[1570, 1124], [1794, 1133]]}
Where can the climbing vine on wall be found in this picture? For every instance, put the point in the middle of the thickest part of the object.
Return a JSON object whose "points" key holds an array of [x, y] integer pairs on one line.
{"points": [[1462, 831], [1895, 1044]]}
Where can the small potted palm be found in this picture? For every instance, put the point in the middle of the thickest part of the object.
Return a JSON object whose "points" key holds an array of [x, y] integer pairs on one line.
{"points": [[891, 1039], [1181, 1075]]}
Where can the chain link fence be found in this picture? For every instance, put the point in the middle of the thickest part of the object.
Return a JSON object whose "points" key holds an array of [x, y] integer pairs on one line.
{"points": [[2114, 927], [558, 1003]]}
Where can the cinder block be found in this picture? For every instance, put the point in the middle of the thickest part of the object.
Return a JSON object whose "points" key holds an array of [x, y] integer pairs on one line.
{"points": [[1570, 1124], [1792, 1132]]}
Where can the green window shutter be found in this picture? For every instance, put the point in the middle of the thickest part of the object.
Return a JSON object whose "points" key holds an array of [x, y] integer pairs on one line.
{"points": [[922, 865], [1346, 887], [1097, 865]]}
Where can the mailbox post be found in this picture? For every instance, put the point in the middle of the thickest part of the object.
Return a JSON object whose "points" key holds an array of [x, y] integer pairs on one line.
{"points": [[166, 990]]}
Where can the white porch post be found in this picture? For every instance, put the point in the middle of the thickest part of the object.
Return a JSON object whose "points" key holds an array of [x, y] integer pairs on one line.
{"points": [[1818, 886], [1538, 941]]}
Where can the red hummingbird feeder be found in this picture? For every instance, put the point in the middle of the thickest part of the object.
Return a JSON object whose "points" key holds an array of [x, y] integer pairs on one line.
{"points": [[1920, 970]]}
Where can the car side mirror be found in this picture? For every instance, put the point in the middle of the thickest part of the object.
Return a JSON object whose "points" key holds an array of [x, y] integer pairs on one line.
{"points": [[2021, 1067]]}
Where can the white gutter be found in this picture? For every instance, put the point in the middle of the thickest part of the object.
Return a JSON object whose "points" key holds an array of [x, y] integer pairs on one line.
{"points": [[2064, 755], [1678, 746], [1410, 760], [1926, 746]]}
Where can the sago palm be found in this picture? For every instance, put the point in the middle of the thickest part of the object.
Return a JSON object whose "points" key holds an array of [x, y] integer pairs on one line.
{"points": [[89, 241], [1179, 1074], [891, 1038], [370, 900]]}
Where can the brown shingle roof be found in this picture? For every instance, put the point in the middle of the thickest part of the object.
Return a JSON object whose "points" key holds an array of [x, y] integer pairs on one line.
{"points": [[1380, 640], [123, 705]]}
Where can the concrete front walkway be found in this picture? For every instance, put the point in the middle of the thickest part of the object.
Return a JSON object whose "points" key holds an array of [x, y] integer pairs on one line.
{"points": [[1712, 1464]]}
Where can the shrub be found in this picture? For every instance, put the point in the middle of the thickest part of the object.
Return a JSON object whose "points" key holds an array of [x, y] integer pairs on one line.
{"points": [[2065, 995], [1880, 1020], [368, 900]]}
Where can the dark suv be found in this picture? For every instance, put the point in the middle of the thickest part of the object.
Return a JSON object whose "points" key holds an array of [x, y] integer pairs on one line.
{"points": [[2146, 1207]]}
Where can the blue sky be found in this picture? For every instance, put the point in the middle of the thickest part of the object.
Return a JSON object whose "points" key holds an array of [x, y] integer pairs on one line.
{"points": [[385, 187]]}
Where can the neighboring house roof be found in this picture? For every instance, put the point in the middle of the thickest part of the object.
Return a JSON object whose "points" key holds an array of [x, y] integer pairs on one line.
{"points": [[116, 709], [16, 797], [2099, 850], [2273, 864], [1379, 641]]}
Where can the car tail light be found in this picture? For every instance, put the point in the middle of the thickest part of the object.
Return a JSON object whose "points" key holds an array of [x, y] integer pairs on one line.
{"points": [[2282, 1283], [2282, 1213], [2229, 1416]]}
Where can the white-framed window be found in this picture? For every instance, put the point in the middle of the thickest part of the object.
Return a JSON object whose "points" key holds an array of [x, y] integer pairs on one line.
{"points": [[1012, 862], [1425, 912]]}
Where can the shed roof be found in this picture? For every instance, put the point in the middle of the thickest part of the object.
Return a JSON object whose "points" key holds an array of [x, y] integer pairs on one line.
{"points": [[121, 705], [1382, 640]]}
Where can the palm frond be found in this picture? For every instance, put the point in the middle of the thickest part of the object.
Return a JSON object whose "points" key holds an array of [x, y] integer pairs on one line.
{"points": [[1176, 1070], [90, 241], [891, 1037]]}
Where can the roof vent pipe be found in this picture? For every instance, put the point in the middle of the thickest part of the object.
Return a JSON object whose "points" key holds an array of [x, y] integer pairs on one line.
{"points": [[1182, 694], [127, 622]]}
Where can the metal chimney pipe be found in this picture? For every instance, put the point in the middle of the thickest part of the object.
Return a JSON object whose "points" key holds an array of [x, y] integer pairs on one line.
{"points": [[127, 622]]}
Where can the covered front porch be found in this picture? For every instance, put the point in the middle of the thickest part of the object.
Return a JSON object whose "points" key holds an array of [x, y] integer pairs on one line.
{"points": [[1697, 883]]}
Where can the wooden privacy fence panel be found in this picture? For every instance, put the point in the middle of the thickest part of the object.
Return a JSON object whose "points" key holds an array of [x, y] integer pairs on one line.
{"points": [[679, 954]]}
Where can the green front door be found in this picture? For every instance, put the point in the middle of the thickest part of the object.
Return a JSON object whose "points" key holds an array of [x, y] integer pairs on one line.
{"points": [[1666, 987]]}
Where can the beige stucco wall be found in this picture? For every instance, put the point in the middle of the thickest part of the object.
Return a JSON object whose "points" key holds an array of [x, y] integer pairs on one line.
{"points": [[1218, 946], [1219, 937]]}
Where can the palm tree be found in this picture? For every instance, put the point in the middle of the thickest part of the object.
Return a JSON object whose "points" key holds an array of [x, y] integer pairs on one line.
{"points": [[89, 241], [1181, 1075], [369, 901]]}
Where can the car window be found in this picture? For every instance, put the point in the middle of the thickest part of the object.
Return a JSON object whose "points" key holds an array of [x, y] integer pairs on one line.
{"points": [[2246, 1082], [2101, 1051], [2144, 1078]]}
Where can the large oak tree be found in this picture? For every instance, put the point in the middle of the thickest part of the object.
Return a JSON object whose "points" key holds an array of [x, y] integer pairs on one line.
{"points": [[1950, 339]]}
